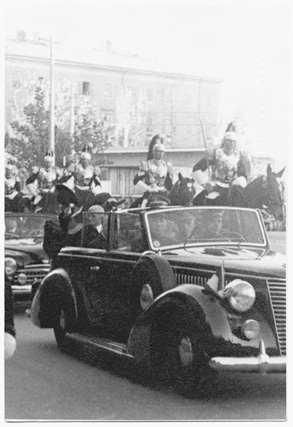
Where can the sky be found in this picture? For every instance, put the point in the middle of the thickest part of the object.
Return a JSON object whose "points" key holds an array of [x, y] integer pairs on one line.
{"points": [[244, 42]]}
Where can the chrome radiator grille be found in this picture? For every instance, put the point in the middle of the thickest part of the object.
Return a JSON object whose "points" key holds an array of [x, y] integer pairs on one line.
{"points": [[195, 278], [277, 294], [277, 289], [34, 273]]}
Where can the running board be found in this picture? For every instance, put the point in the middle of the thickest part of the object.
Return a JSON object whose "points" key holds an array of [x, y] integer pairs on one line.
{"points": [[104, 344]]}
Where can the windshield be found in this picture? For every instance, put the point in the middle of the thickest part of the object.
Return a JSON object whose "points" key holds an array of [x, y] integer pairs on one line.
{"points": [[30, 227], [179, 227]]}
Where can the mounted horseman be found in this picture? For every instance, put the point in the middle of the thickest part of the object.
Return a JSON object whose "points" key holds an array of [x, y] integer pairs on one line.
{"points": [[155, 175], [229, 166], [14, 201], [84, 178], [42, 183]]}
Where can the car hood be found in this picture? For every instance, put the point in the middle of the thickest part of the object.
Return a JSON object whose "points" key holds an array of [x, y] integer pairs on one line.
{"points": [[25, 251], [250, 260]]}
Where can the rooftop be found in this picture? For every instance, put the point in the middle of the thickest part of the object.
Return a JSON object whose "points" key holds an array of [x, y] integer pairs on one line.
{"points": [[102, 55]]}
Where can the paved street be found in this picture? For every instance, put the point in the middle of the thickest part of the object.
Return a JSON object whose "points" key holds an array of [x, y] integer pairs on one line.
{"points": [[42, 383]]}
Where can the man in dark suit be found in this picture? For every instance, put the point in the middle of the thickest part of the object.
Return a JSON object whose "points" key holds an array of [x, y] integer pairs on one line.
{"points": [[96, 219]]}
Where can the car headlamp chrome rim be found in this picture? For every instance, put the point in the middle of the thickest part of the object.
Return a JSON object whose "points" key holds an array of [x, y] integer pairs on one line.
{"points": [[146, 296], [10, 266], [240, 295], [22, 278], [250, 329]]}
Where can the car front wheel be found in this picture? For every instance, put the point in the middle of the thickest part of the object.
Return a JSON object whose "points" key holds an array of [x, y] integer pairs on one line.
{"points": [[59, 330], [189, 370]]}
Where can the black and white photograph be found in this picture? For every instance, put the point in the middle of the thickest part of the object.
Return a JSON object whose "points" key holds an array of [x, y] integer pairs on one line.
{"points": [[145, 210]]}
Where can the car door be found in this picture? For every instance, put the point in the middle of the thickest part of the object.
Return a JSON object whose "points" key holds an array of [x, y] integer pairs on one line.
{"points": [[109, 277]]}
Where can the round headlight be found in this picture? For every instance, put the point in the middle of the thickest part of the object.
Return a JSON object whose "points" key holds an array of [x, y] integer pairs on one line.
{"points": [[250, 329], [146, 296], [10, 266], [22, 278], [240, 294]]}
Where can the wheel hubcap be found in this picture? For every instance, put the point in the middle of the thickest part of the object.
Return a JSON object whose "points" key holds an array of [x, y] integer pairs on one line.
{"points": [[185, 351]]}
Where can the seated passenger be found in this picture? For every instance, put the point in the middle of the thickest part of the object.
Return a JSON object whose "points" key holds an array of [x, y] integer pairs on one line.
{"points": [[160, 234], [211, 224], [138, 244], [10, 226], [96, 220], [186, 226]]}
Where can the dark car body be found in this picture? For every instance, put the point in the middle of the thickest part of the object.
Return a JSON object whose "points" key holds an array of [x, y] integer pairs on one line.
{"points": [[26, 262], [182, 302]]}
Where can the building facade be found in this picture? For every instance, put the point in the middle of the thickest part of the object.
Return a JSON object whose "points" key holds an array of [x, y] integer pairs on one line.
{"points": [[141, 97]]}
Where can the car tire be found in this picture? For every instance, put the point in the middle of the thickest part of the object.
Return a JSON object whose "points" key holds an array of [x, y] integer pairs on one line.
{"points": [[184, 358], [60, 330], [154, 271], [178, 358]]}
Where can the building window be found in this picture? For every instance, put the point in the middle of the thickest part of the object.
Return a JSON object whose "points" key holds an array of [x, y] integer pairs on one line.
{"points": [[150, 95], [108, 90], [189, 98], [150, 126], [170, 97], [85, 88]]}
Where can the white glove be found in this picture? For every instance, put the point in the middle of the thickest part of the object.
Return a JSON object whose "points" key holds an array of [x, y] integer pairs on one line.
{"points": [[35, 169], [241, 180], [154, 189], [96, 190], [200, 177], [9, 345], [142, 186], [162, 188]]}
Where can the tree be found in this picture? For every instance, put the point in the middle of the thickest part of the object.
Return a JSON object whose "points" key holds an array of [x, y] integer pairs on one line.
{"points": [[131, 118], [92, 129]]}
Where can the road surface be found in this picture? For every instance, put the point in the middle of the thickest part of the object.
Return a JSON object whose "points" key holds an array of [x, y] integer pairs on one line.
{"points": [[42, 383]]}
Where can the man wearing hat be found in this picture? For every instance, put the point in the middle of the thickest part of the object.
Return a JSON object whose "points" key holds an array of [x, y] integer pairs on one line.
{"points": [[210, 224], [41, 183], [97, 219], [155, 175], [85, 176], [162, 233], [13, 199], [229, 165]]}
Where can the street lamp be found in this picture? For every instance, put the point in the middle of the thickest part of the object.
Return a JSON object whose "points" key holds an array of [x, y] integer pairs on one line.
{"points": [[52, 101]]}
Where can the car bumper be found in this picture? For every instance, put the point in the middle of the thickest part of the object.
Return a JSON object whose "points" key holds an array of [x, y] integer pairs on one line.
{"points": [[22, 292], [259, 364]]}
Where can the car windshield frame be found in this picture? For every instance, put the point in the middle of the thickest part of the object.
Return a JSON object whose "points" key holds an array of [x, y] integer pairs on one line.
{"points": [[23, 229], [255, 224]]}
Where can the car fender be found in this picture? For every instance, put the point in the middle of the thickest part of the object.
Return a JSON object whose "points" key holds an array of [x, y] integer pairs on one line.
{"points": [[55, 292], [208, 314]]}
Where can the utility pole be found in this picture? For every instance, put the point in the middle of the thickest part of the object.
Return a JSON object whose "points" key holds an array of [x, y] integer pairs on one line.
{"points": [[52, 100]]}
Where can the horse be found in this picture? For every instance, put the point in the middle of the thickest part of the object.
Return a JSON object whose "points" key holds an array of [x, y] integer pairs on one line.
{"points": [[262, 191], [181, 194], [15, 203]]}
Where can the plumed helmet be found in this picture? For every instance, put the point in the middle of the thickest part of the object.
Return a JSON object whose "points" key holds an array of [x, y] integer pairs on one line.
{"points": [[159, 147], [86, 153], [49, 156], [232, 136], [9, 165]]}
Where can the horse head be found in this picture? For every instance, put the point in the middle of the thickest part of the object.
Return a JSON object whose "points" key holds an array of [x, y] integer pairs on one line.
{"points": [[273, 197], [182, 192]]}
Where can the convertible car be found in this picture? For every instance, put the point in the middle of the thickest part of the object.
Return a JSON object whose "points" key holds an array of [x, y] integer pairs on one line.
{"points": [[186, 292], [26, 263]]}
